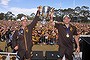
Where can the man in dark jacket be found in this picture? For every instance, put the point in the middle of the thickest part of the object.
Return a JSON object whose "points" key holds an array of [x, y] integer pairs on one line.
{"points": [[66, 31], [22, 39]]}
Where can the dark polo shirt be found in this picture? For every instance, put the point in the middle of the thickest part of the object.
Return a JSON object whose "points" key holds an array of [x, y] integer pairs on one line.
{"points": [[63, 40]]}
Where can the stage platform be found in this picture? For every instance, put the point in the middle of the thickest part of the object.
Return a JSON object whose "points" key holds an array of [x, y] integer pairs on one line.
{"points": [[43, 47]]}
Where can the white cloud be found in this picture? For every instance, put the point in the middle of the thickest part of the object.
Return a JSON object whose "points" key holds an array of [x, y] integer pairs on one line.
{"points": [[16, 10], [4, 2]]}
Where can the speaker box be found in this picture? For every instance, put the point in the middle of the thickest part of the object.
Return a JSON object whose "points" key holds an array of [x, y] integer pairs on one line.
{"points": [[52, 55], [37, 55], [86, 48]]}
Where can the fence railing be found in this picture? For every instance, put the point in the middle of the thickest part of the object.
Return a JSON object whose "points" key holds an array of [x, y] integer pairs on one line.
{"points": [[8, 56]]}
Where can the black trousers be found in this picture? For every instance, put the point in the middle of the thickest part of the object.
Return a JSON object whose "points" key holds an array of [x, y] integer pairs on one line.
{"points": [[67, 51], [23, 54]]}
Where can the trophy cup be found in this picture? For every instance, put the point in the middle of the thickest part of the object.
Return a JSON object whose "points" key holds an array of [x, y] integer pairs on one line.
{"points": [[45, 13]]}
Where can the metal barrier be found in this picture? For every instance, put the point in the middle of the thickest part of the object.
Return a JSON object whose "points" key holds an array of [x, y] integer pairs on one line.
{"points": [[8, 56], [84, 35]]}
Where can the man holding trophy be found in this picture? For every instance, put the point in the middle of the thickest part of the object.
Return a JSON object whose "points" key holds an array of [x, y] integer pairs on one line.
{"points": [[66, 31], [22, 38]]}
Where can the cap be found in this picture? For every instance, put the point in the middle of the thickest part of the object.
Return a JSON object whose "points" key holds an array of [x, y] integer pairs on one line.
{"points": [[66, 16], [23, 18]]}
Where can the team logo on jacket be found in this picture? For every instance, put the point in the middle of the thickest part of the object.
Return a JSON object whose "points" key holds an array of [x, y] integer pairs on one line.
{"points": [[71, 28], [26, 29]]}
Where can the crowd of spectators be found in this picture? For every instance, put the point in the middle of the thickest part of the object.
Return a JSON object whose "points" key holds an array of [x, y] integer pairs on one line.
{"points": [[42, 33], [83, 28]]}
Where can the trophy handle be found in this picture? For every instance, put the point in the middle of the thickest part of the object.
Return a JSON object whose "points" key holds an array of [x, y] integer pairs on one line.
{"points": [[51, 13]]}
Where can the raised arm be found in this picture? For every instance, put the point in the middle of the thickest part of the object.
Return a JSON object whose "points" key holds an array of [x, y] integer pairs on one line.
{"points": [[33, 23], [54, 23]]}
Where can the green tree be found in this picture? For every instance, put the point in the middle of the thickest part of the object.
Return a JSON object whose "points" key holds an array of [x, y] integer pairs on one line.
{"points": [[1, 16], [31, 17], [9, 15], [85, 8], [19, 16]]}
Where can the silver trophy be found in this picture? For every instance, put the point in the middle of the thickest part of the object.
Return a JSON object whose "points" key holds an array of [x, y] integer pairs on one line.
{"points": [[45, 11], [45, 14]]}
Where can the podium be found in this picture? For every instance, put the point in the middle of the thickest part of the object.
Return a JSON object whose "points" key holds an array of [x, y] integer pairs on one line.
{"points": [[52, 55], [37, 55]]}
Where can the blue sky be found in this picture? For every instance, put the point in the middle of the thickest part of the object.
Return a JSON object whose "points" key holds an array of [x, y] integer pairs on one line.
{"points": [[29, 6]]}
